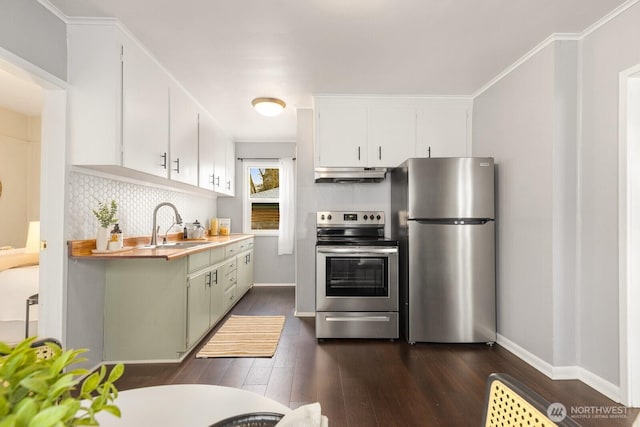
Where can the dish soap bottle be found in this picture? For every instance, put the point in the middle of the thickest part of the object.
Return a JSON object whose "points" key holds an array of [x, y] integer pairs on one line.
{"points": [[117, 240]]}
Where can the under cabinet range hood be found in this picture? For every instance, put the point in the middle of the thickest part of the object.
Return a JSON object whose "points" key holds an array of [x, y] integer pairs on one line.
{"points": [[350, 175]]}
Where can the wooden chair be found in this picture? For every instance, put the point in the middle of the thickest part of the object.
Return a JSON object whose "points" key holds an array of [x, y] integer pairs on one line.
{"points": [[510, 403]]}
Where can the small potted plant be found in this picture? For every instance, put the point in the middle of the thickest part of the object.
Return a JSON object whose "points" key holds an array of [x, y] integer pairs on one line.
{"points": [[106, 215], [37, 391]]}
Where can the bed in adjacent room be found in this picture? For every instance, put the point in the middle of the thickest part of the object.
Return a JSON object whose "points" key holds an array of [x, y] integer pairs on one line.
{"points": [[19, 279]]}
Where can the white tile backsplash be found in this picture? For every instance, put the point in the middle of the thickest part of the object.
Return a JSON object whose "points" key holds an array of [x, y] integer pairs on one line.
{"points": [[135, 206]]}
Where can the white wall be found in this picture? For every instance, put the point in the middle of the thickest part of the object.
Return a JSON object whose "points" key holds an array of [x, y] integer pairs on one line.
{"points": [[513, 122], [20, 176], [31, 32], [606, 51], [552, 124]]}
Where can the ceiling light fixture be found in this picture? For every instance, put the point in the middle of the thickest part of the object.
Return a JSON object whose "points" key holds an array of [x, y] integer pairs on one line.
{"points": [[268, 106]]}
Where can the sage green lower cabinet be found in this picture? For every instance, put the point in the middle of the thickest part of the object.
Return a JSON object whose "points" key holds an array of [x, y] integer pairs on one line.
{"points": [[145, 309], [157, 310], [245, 271], [198, 306], [229, 270]]}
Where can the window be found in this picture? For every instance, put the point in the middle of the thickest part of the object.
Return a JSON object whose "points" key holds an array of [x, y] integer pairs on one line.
{"points": [[262, 198]]}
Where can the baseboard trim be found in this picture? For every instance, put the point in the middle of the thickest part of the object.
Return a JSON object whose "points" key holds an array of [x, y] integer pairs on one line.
{"points": [[304, 314], [530, 358], [579, 373]]}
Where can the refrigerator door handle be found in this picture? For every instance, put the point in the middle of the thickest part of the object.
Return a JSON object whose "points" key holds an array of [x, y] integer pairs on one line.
{"points": [[455, 221]]}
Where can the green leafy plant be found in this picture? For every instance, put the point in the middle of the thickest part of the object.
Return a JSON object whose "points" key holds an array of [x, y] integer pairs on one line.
{"points": [[42, 392], [106, 213]]}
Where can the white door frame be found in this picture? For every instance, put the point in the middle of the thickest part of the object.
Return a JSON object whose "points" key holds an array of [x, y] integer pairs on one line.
{"points": [[53, 178], [629, 234]]}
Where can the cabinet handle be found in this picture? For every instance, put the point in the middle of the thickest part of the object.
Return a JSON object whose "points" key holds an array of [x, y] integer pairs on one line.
{"points": [[216, 279], [177, 162], [211, 180], [164, 161], [207, 280], [217, 181], [229, 185], [429, 152], [358, 152], [379, 152]]}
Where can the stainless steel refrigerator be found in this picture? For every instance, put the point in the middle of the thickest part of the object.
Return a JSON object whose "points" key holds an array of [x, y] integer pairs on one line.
{"points": [[443, 213]]}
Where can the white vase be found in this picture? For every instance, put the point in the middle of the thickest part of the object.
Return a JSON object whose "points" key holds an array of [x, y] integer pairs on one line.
{"points": [[102, 238]]}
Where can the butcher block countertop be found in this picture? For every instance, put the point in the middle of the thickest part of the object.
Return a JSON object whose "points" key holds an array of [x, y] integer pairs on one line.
{"points": [[134, 247]]}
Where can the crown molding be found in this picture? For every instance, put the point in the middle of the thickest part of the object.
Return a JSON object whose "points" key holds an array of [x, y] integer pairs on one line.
{"points": [[53, 9], [552, 39]]}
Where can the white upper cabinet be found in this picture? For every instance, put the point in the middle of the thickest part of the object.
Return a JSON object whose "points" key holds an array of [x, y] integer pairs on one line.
{"points": [[206, 146], [444, 128], [217, 157], [115, 91], [341, 134], [95, 89], [230, 168], [385, 131], [145, 99], [392, 135], [183, 136], [220, 161], [130, 117]]}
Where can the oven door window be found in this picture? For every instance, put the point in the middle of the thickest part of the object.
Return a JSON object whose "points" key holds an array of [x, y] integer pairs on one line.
{"points": [[357, 276]]}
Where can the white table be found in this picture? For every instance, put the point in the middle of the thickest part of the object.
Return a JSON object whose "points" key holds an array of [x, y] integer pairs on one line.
{"points": [[185, 405]]}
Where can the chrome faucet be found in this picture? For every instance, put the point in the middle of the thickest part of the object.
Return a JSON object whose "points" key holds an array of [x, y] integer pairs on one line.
{"points": [[178, 220]]}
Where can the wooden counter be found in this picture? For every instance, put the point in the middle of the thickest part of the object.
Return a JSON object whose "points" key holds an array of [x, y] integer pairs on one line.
{"points": [[82, 248]]}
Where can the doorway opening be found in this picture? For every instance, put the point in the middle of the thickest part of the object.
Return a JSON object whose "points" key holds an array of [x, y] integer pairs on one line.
{"points": [[52, 194], [629, 234]]}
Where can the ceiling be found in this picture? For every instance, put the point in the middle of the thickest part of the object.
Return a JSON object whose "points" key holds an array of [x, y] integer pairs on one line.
{"points": [[228, 52]]}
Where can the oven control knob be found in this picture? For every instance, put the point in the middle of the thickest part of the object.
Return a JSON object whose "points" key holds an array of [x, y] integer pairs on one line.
{"points": [[378, 217], [365, 217], [322, 217], [329, 217]]}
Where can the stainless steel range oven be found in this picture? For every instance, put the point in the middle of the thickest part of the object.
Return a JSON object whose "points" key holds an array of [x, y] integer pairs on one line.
{"points": [[356, 276]]}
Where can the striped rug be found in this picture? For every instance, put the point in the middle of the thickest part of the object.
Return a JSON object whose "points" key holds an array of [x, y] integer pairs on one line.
{"points": [[245, 336]]}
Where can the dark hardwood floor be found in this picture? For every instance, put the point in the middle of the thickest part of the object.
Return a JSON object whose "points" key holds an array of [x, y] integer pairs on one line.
{"points": [[368, 382]]}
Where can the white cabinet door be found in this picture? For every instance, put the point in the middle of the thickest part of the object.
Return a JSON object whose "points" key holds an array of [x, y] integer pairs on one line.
{"points": [[198, 307], [443, 129], [220, 160], [245, 271], [145, 112], [341, 136], [216, 304], [206, 148], [183, 137], [230, 167], [392, 135], [94, 95]]}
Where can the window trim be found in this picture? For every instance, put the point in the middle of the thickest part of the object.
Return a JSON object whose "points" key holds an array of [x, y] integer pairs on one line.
{"points": [[246, 203]]}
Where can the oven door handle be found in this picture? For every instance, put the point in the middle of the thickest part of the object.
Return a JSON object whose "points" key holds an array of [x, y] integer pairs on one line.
{"points": [[358, 319], [359, 251]]}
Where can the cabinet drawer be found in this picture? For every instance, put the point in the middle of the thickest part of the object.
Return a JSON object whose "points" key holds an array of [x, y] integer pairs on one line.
{"points": [[217, 255], [245, 245], [229, 267], [198, 261], [231, 249], [229, 295], [230, 281]]}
